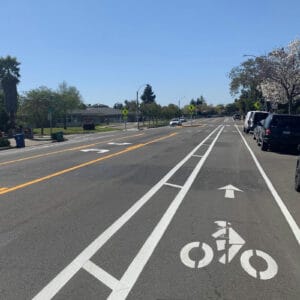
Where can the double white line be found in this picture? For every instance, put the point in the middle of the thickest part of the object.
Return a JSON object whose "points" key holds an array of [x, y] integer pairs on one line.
{"points": [[121, 288]]}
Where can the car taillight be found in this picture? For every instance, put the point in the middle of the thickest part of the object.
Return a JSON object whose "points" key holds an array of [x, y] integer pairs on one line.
{"points": [[268, 131]]}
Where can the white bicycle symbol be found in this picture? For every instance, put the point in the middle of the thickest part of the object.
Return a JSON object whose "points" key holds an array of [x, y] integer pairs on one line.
{"points": [[229, 240]]}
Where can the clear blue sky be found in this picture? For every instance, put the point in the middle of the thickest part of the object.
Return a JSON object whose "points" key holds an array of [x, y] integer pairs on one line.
{"points": [[108, 48]]}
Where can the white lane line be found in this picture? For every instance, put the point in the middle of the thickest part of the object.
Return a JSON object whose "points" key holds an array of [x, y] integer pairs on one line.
{"points": [[53, 287], [100, 274], [292, 223], [137, 265], [173, 185]]}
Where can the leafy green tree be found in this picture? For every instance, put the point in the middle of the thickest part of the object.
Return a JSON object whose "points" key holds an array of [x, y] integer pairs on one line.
{"points": [[170, 111], [193, 102], [9, 78], [150, 111], [200, 101], [3, 114], [231, 108], [220, 109], [35, 105], [246, 81], [131, 105], [200, 105], [118, 105], [68, 98], [148, 96]]}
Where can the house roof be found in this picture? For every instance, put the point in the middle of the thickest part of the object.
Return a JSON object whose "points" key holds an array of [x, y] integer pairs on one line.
{"points": [[103, 111]]}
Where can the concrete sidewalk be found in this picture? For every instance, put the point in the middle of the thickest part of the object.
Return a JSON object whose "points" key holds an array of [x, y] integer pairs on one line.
{"points": [[33, 142]]}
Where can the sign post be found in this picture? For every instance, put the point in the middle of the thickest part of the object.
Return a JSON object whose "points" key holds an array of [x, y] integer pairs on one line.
{"points": [[125, 114], [191, 110]]}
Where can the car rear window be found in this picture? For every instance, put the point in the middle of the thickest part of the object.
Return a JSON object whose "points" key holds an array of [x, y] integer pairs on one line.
{"points": [[260, 116], [286, 121]]}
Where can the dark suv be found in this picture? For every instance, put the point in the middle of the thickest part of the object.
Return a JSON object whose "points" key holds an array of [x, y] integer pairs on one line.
{"points": [[280, 131]]}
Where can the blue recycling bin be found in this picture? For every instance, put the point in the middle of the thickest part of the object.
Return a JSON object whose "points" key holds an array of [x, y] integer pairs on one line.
{"points": [[20, 140]]}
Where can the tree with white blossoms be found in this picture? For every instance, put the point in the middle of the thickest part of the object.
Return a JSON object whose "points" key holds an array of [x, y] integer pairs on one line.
{"points": [[280, 70], [273, 92]]}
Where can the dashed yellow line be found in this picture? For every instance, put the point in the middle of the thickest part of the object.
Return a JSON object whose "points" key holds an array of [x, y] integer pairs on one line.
{"points": [[3, 189], [65, 150], [23, 185]]}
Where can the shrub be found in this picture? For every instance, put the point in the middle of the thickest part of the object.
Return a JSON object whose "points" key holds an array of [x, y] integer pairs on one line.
{"points": [[4, 142]]}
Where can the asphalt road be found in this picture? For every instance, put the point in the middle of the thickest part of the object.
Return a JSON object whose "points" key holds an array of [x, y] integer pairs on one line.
{"points": [[197, 212]]}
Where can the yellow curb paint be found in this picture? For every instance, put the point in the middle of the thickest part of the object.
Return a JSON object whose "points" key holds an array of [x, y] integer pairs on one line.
{"points": [[41, 179]]}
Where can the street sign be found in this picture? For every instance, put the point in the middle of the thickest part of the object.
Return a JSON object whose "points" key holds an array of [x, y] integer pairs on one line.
{"points": [[257, 105], [125, 112], [192, 108]]}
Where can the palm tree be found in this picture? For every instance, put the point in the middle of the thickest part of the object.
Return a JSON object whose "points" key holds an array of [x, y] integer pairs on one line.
{"points": [[9, 78]]}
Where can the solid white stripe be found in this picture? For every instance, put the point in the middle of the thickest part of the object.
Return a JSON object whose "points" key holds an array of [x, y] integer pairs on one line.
{"points": [[137, 265], [292, 223], [100, 274], [52, 288]]}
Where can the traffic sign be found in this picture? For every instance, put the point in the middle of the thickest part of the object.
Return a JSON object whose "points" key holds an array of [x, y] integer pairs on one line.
{"points": [[192, 108], [125, 112], [257, 105]]}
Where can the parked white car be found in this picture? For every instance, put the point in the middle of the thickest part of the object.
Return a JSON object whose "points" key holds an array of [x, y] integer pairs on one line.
{"points": [[175, 122], [247, 121]]}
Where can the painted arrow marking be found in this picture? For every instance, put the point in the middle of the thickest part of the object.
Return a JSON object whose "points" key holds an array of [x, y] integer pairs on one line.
{"points": [[119, 144], [229, 190], [95, 150]]}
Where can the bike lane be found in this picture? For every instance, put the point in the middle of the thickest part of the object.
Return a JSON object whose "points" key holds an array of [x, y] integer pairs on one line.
{"points": [[251, 252]]}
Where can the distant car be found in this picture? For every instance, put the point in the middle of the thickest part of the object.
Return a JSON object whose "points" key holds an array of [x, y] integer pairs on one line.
{"points": [[175, 122], [280, 130], [236, 117], [182, 120], [297, 175]]}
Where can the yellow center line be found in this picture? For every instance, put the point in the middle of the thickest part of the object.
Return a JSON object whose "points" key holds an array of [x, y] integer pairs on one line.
{"points": [[23, 185], [65, 150]]}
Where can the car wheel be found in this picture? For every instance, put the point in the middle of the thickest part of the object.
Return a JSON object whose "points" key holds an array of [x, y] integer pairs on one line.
{"points": [[254, 137], [297, 179], [263, 146]]}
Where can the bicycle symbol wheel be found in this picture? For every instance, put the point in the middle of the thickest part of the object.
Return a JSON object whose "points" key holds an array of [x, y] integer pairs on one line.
{"points": [[270, 271], [206, 260]]}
